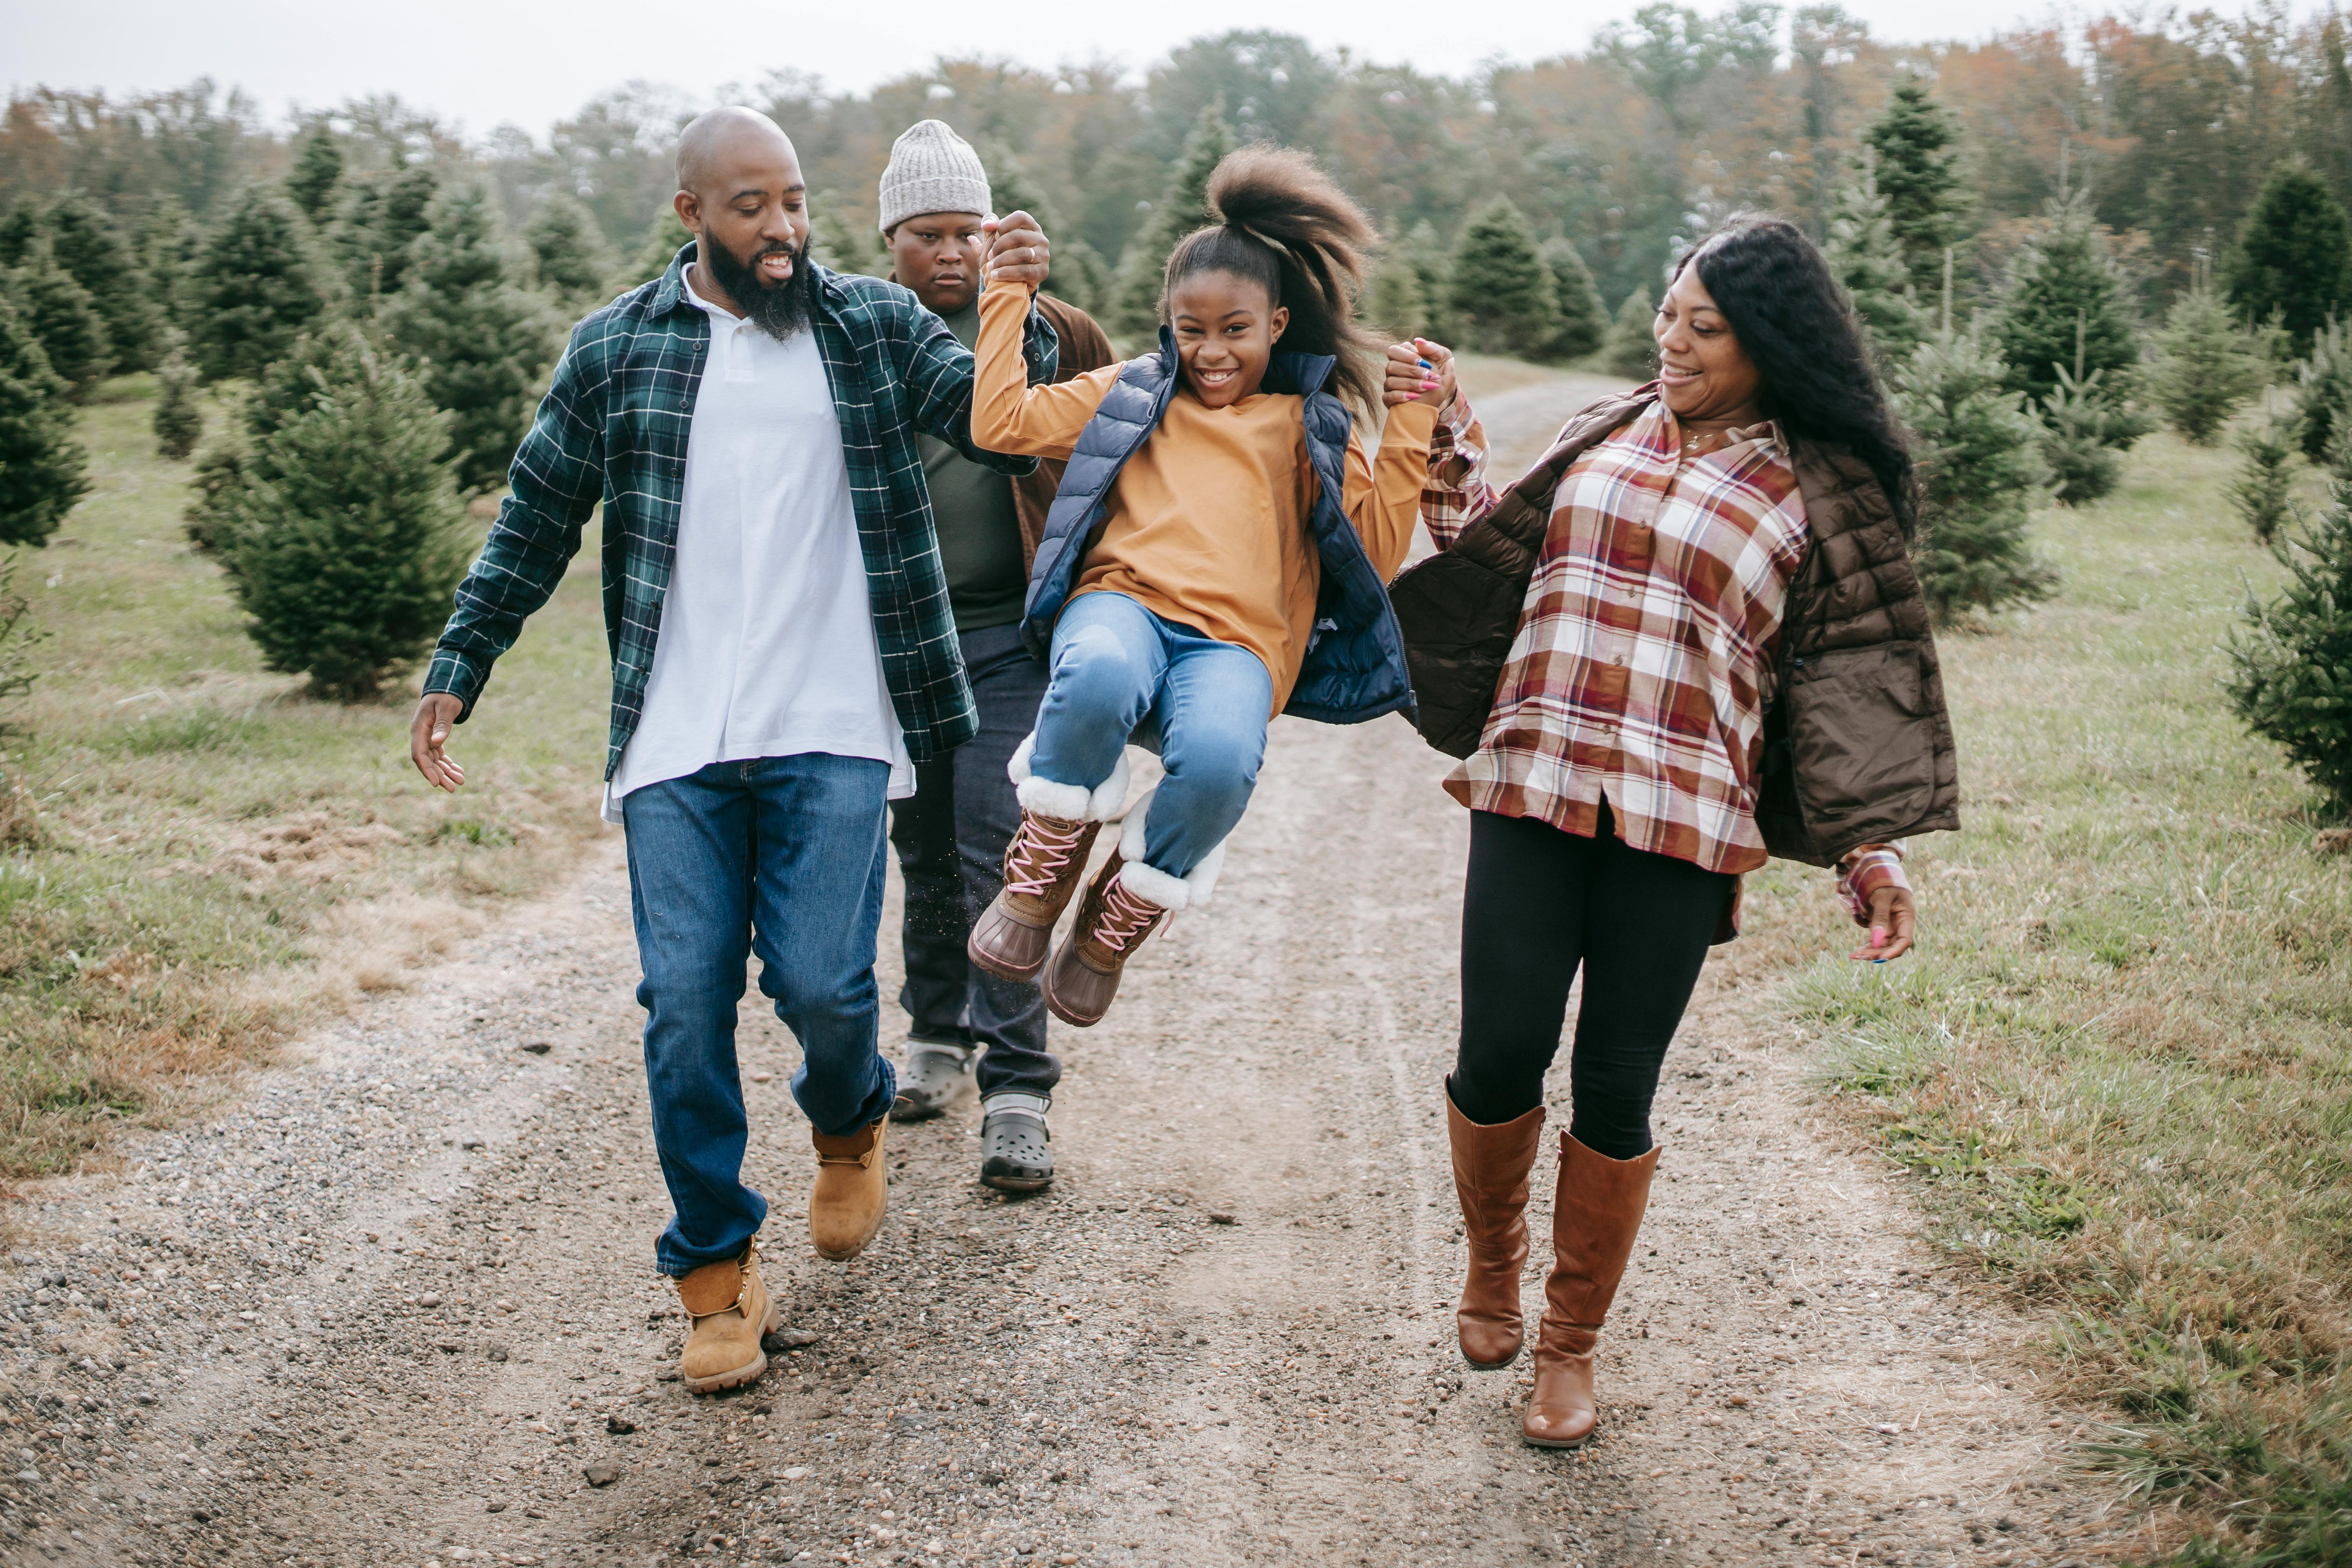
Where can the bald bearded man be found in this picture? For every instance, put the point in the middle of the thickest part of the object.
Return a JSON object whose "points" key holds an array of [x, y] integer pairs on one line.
{"points": [[783, 654]]}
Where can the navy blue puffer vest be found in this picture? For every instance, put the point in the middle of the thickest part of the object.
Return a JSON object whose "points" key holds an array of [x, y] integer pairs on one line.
{"points": [[1354, 668]]}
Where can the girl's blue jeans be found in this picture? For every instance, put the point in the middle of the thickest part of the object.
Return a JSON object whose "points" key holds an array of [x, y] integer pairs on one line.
{"points": [[1119, 671]]}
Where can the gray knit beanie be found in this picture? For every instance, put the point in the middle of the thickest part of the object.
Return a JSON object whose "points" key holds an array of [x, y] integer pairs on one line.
{"points": [[932, 170]]}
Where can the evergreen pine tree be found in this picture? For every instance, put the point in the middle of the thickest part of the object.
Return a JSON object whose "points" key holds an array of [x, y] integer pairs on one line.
{"points": [[1182, 207], [569, 251], [2204, 366], [255, 287], [179, 423], [1012, 190], [318, 172], [1080, 276], [1869, 262], [168, 241], [1423, 250], [42, 466], [2290, 256], [2291, 678], [1631, 349], [20, 230], [1502, 292], [1914, 147], [2083, 463], [290, 388], [846, 246], [2264, 486], [2323, 394], [1583, 317], [2065, 291], [345, 546], [379, 221], [480, 340], [1392, 301], [65, 318], [1982, 470], [86, 244], [656, 249]]}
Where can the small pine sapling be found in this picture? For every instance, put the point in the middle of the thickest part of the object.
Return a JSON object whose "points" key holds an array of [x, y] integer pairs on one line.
{"points": [[1980, 461], [1583, 317], [179, 421], [1502, 292], [347, 546], [2323, 392], [1392, 302], [2083, 466], [2204, 366], [2290, 663], [1630, 349], [2263, 485]]}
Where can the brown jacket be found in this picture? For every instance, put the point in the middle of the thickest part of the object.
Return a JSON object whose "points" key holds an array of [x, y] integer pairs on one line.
{"points": [[1084, 348], [1857, 744]]}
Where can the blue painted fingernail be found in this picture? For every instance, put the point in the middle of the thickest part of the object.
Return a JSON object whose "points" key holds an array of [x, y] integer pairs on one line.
{"points": [[1424, 364]]}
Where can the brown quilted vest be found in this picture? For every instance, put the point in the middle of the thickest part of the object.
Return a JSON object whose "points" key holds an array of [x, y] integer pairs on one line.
{"points": [[1857, 744]]}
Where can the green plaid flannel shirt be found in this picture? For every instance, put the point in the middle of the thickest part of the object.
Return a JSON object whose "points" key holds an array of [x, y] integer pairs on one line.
{"points": [[612, 428]]}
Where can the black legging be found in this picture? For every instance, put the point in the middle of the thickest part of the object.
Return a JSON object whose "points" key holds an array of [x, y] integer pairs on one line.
{"points": [[1539, 903]]}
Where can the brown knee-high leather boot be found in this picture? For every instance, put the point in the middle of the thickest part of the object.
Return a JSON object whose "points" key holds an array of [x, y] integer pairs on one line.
{"points": [[1490, 1178], [1595, 1220]]}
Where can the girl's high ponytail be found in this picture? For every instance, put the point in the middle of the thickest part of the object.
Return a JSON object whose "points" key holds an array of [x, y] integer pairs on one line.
{"points": [[1286, 225]]}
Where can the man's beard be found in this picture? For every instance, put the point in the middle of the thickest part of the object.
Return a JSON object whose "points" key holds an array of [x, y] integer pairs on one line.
{"points": [[779, 309]]}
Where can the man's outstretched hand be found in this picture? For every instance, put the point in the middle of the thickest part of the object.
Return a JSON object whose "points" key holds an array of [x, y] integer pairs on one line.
{"points": [[1018, 254], [436, 711]]}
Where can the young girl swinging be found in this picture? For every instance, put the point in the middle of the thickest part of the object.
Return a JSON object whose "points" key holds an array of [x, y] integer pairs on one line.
{"points": [[1217, 553]]}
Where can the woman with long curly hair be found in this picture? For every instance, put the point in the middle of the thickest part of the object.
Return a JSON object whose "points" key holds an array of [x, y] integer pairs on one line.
{"points": [[1688, 639]]}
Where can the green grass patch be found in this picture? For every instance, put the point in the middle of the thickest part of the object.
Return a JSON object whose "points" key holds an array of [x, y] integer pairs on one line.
{"points": [[203, 831], [2121, 1063]]}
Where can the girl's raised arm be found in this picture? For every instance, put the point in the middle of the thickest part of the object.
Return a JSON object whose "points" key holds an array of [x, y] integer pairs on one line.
{"points": [[1008, 415]]}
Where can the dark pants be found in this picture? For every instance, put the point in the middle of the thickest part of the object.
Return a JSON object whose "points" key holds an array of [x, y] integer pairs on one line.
{"points": [[781, 856], [951, 836], [1539, 903]]}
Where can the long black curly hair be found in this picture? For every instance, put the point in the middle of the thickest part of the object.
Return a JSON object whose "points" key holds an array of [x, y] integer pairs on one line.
{"points": [[1773, 285]]}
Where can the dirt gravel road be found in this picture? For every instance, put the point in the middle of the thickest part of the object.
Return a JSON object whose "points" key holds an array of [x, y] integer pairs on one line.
{"points": [[396, 1305]]}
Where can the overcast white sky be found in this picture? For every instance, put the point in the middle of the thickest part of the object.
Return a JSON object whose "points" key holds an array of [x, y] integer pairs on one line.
{"points": [[487, 61]]}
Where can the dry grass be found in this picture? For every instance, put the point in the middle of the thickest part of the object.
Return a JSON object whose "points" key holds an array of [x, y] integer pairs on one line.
{"points": [[2121, 1060], [210, 858]]}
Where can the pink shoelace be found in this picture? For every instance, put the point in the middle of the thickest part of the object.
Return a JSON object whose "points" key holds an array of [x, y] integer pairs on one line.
{"points": [[1125, 918], [1042, 849]]}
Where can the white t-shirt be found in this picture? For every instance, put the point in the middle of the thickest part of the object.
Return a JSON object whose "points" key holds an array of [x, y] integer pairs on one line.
{"points": [[766, 646]]}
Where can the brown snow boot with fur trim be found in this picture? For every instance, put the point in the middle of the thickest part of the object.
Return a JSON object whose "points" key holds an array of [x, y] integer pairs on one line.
{"points": [[1043, 868], [1112, 922]]}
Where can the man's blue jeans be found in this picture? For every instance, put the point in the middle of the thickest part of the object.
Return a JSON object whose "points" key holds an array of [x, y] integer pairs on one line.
{"points": [[783, 857], [1116, 666]]}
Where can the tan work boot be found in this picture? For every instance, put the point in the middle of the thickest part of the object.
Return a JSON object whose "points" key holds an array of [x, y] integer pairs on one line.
{"points": [[1113, 919], [1490, 1177], [1043, 868], [729, 1308], [852, 1191], [1594, 1219]]}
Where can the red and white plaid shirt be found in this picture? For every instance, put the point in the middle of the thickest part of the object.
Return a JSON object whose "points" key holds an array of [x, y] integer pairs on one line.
{"points": [[1644, 657]]}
